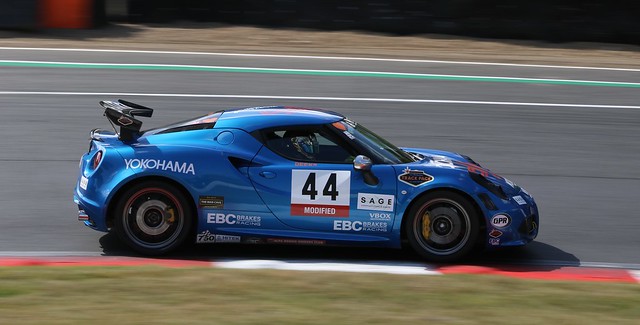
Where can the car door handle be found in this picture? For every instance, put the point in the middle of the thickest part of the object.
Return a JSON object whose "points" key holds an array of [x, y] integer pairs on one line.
{"points": [[267, 174]]}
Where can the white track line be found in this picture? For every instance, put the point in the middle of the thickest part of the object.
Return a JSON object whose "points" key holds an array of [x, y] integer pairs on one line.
{"points": [[314, 57], [611, 265], [365, 73], [362, 267], [310, 98], [635, 274]]}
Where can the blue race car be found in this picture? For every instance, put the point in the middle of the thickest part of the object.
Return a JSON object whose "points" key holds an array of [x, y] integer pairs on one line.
{"points": [[287, 175]]}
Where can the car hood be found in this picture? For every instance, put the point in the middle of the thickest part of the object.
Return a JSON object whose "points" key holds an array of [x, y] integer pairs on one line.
{"points": [[450, 160], [434, 154]]}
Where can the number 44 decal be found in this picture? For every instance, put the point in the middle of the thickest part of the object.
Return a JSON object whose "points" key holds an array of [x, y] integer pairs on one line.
{"points": [[309, 187], [332, 201]]}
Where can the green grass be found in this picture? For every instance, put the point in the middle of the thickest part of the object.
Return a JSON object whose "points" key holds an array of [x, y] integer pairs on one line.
{"points": [[154, 295]]}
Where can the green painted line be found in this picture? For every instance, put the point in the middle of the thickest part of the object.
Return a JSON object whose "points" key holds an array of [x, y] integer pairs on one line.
{"points": [[328, 73]]}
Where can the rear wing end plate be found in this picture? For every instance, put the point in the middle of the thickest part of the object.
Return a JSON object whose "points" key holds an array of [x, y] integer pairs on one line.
{"points": [[122, 114]]}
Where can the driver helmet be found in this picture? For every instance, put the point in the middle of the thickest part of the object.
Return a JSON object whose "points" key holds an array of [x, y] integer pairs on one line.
{"points": [[306, 144]]}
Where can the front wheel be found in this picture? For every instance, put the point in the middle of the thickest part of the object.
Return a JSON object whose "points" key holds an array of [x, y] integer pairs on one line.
{"points": [[442, 226], [153, 218]]}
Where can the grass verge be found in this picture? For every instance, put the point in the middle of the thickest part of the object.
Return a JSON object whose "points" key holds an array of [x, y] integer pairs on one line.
{"points": [[154, 295]]}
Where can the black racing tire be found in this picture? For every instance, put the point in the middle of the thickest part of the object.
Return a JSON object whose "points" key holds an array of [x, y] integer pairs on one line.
{"points": [[153, 218], [442, 226]]}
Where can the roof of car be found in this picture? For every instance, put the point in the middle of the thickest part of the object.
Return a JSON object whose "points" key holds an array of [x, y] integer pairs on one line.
{"points": [[254, 118]]}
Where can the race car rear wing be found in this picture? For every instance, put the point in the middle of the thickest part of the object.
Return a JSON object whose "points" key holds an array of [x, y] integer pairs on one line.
{"points": [[122, 113]]}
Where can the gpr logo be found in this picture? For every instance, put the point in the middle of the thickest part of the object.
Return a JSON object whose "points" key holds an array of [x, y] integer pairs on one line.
{"points": [[500, 220], [347, 225]]}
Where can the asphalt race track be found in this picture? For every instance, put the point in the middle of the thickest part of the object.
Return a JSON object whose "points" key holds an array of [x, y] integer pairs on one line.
{"points": [[571, 137]]}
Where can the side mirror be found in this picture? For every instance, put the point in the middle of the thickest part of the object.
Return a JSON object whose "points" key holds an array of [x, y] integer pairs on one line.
{"points": [[363, 164]]}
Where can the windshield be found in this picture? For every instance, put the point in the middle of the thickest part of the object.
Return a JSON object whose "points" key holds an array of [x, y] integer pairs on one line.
{"points": [[383, 150]]}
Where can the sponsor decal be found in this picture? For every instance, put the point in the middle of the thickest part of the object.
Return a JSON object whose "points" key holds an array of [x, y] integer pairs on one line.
{"points": [[320, 211], [500, 220], [350, 122], [125, 121], [161, 164], [380, 216], [234, 219], [366, 226], [441, 161], [290, 241], [494, 241], [253, 240], [378, 202], [84, 182], [227, 239], [473, 168], [349, 135], [307, 164], [414, 177], [320, 193], [519, 200], [211, 202], [495, 233], [205, 237]]}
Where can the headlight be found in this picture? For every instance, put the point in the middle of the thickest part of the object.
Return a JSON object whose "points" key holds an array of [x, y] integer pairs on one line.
{"points": [[495, 189], [467, 158], [512, 184]]}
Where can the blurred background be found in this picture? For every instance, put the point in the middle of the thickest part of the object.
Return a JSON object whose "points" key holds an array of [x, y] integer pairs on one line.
{"points": [[542, 92], [550, 20]]}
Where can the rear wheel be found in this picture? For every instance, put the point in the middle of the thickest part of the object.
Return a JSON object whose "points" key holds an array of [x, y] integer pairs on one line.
{"points": [[153, 218], [442, 226]]}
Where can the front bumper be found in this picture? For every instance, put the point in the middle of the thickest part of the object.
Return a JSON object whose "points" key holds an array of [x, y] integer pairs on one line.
{"points": [[523, 222]]}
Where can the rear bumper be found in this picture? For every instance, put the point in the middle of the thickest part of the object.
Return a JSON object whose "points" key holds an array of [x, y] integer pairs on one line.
{"points": [[89, 212]]}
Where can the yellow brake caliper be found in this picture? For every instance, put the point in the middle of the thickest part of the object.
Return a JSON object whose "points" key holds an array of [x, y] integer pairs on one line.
{"points": [[172, 216], [426, 223]]}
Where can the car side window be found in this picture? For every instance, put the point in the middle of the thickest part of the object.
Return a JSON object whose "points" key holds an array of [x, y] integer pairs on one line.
{"points": [[307, 145]]}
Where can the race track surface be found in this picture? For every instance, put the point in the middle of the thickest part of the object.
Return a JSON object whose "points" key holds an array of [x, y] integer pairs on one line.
{"points": [[568, 136]]}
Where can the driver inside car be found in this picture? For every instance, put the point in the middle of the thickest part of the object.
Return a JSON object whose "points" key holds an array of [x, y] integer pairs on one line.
{"points": [[301, 145]]}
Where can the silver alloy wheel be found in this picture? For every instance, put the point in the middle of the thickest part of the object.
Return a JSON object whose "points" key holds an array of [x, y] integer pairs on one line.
{"points": [[153, 218], [442, 226]]}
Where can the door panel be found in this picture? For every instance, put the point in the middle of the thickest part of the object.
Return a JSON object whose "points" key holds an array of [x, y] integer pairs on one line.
{"points": [[325, 197]]}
